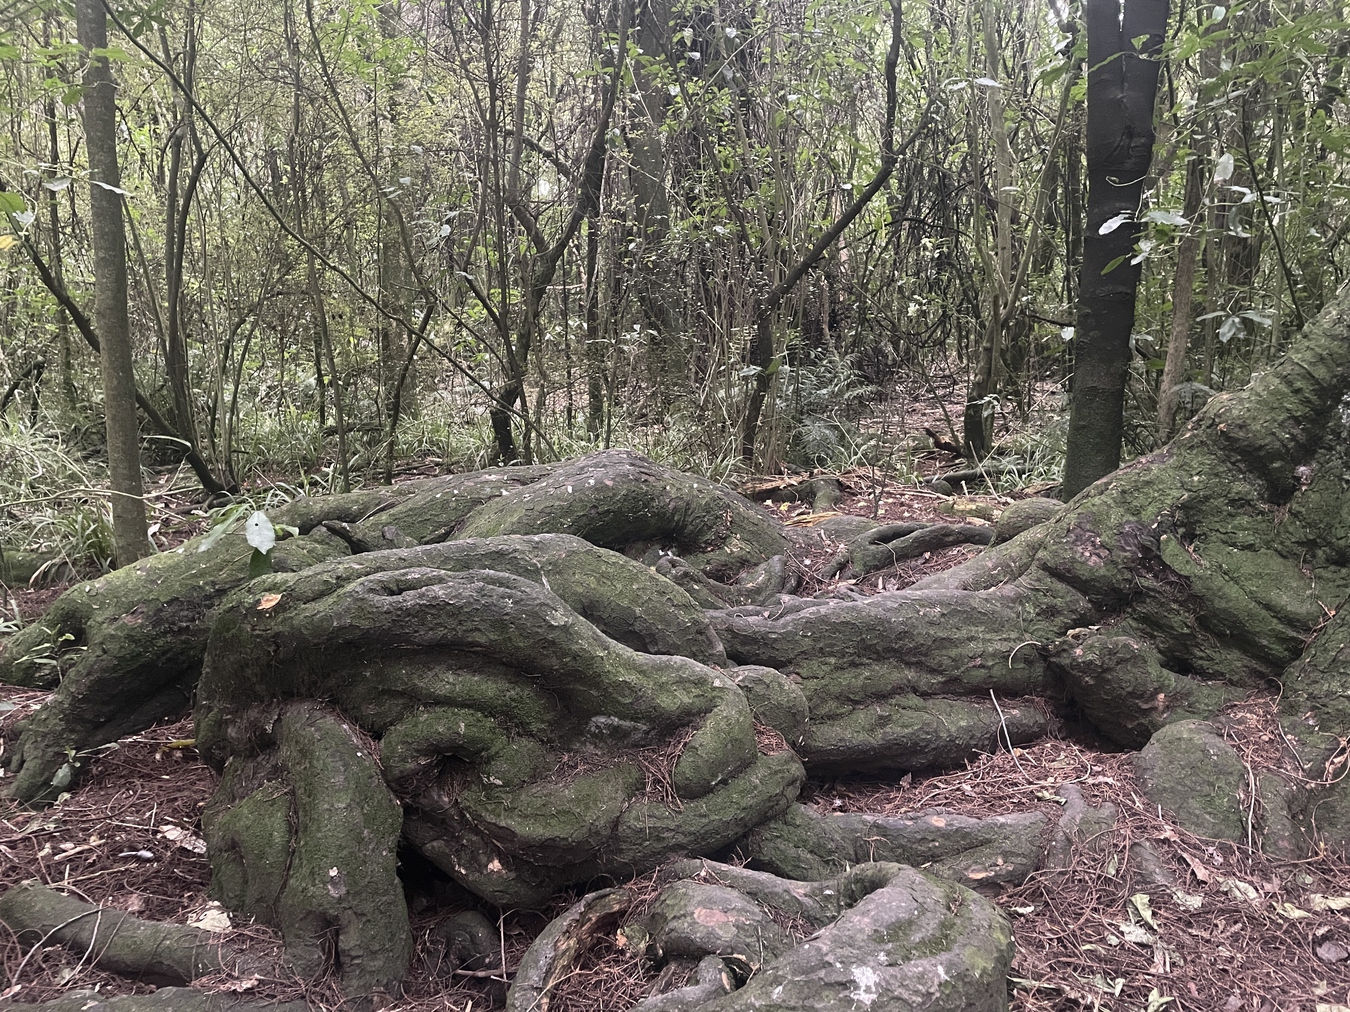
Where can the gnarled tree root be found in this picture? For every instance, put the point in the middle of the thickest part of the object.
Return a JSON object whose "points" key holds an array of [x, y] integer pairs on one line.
{"points": [[304, 835], [805, 845], [554, 954], [113, 939], [892, 544]]}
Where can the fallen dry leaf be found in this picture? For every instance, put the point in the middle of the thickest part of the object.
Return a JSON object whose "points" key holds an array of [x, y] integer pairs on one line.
{"points": [[1201, 870], [1332, 952]]}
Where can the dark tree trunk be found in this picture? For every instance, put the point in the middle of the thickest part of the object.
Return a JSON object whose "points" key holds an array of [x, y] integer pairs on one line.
{"points": [[110, 290], [1122, 81]]}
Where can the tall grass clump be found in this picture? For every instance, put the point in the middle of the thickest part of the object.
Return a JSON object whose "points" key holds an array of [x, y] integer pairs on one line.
{"points": [[52, 500]]}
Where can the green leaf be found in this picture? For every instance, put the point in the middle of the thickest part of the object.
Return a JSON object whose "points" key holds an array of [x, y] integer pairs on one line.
{"points": [[11, 203], [1114, 264], [259, 564], [72, 95]]}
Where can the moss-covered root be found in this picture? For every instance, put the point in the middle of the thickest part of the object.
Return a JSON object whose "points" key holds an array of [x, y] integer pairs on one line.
{"points": [[115, 941], [166, 999], [940, 643], [519, 847], [338, 900], [1120, 685], [420, 512], [484, 639], [1315, 689], [1316, 707], [507, 722], [621, 597], [908, 732], [803, 844], [618, 499], [131, 643], [890, 544], [1226, 546], [908, 939]]}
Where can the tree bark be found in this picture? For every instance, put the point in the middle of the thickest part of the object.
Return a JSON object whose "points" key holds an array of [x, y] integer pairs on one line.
{"points": [[99, 109], [978, 422], [1122, 82], [1183, 297]]}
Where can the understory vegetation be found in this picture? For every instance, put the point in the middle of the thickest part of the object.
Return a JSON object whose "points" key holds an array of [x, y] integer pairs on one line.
{"points": [[367, 236]]}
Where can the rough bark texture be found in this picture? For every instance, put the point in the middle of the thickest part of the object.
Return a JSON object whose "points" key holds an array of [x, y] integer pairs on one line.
{"points": [[127, 648], [556, 951], [304, 834], [803, 844], [130, 644], [875, 704], [99, 112], [616, 499]]}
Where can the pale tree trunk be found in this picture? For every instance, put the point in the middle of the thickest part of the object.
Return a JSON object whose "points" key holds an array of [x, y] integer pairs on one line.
{"points": [[1122, 83], [979, 413], [1183, 295], [99, 109], [594, 354], [69, 396]]}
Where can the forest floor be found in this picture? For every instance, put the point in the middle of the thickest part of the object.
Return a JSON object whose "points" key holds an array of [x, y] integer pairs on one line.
{"points": [[1230, 929]]}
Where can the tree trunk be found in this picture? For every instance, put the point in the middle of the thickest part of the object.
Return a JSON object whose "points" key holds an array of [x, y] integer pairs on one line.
{"points": [[594, 353], [978, 428], [69, 397], [99, 110], [1183, 296], [658, 281], [1122, 82]]}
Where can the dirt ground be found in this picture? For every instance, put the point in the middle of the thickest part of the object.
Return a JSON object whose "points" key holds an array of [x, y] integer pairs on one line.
{"points": [[1233, 931]]}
